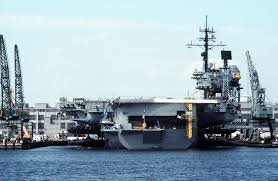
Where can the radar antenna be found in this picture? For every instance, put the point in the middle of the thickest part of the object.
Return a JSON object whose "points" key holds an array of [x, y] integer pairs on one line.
{"points": [[209, 37]]}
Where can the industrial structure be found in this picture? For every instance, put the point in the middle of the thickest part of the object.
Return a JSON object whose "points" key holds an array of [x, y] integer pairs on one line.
{"points": [[257, 122], [260, 112], [18, 121], [47, 123], [6, 99], [19, 102], [13, 118]]}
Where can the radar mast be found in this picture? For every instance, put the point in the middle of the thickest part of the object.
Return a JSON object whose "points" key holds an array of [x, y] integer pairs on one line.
{"points": [[209, 37]]}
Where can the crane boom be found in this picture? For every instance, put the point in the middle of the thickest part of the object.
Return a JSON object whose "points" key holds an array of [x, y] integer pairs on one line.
{"points": [[19, 102], [5, 78], [259, 109]]}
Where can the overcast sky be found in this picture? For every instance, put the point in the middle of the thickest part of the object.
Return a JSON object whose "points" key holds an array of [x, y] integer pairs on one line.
{"points": [[105, 48]]}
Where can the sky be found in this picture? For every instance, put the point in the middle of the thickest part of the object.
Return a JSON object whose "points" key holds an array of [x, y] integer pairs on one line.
{"points": [[110, 48]]}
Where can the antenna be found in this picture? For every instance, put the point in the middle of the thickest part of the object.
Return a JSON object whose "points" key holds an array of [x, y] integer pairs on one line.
{"points": [[209, 37]]}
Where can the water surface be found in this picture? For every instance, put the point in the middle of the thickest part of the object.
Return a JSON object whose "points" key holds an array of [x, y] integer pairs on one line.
{"points": [[75, 163]]}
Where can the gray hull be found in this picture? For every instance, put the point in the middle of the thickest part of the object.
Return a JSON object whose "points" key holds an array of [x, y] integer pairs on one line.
{"points": [[168, 139], [167, 124], [112, 139]]}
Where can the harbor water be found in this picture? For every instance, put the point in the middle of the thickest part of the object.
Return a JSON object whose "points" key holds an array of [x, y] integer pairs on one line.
{"points": [[76, 163]]}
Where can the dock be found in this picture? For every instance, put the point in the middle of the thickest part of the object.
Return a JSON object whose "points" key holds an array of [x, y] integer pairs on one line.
{"points": [[220, 141], [31, 145], [11, 146]]}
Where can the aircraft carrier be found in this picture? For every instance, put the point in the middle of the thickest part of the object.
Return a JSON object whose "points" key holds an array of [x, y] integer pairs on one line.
{"points": [[140, 123], [158, 123]]}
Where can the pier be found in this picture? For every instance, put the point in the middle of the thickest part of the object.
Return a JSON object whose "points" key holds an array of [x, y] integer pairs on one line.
{"points": [[31, 145]]}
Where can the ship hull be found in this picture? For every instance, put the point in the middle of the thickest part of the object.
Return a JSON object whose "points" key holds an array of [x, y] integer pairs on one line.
{"points": [[208, 119], [163, 124], [111, 139], [168, 139]]}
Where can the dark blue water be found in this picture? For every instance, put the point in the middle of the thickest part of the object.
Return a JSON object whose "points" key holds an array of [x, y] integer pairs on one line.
{"points": [[74, 163]]}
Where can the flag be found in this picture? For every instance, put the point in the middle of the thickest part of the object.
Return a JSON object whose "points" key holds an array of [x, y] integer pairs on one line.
{"points": [[143, 116], [105, 113]]}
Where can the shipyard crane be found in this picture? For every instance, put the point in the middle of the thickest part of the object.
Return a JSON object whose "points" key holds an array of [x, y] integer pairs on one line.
{"points": [[260, 112], [6, 102], [19, 102], [12, 114], [20, 113]]}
